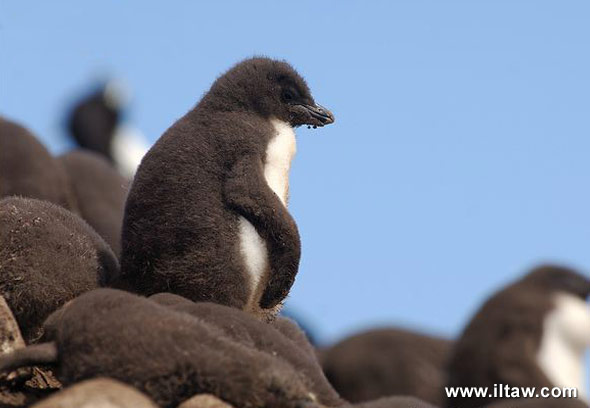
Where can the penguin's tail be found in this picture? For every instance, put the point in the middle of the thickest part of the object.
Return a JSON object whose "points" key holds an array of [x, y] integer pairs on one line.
{"points": [[44, 353]]}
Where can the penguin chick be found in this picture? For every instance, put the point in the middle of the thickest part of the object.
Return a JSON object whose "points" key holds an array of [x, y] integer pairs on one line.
{"points": [[48, 256], [95, 124], [383, 362], [168, 355], [530, 334], [97, 393], [100, 192], [246, 329], [27, 169], [206, 217]]}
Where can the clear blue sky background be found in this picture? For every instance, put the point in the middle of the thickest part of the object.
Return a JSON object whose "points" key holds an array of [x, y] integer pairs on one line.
{"points": [[460, 154]]}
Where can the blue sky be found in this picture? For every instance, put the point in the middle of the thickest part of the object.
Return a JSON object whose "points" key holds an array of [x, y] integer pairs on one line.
{"points": [[460, 154]]}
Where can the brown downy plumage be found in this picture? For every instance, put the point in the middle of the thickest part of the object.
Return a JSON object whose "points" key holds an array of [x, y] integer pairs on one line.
{"points": [[27, 169], [501, 343], [100, 192], [384, 362], [48, 256], [206, 217], [97, 393], [246, 329], [291, 329], [168, 355]]}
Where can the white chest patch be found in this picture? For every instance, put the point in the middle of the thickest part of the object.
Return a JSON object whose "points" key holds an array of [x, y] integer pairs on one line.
{"points": [[566, 337], [279, 153]]}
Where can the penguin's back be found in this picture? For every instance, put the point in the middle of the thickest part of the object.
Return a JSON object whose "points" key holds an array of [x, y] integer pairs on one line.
{"points": [[27, 168]]}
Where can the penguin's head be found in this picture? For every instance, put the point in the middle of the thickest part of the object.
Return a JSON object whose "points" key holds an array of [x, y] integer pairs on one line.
{"points": [[559, 279], [93, 119], [270, 88], [570, 313]]}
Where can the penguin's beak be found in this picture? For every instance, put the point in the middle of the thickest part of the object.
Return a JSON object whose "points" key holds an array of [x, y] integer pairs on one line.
{"points": [[312, 115], [318, 112]]}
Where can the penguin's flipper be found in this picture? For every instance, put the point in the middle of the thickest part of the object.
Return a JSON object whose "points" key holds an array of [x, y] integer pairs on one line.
{"points": [[247, 193], [44, 353]]}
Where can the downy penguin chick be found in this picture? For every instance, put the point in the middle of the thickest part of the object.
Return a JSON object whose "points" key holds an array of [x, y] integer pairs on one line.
{"points": [[246, 329], [95, 123], [27, 169], [382, 362], [100, 192], [97, 393], [206, 217], [533, 333], [48, 256], [168, 355]]}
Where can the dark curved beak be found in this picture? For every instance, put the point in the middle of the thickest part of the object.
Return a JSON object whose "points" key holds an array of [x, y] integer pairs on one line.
{"points": [[320, 113]]}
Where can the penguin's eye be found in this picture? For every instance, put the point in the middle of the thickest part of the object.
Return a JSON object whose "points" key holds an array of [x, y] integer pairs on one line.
{"points": [[287, 96]]}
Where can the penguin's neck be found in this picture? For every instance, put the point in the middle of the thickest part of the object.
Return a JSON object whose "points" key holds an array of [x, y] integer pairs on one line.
{"points": [[277, 162], [566, 336]]}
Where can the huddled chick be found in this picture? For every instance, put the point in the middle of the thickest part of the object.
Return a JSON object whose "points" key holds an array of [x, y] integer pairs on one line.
{"points": [[167, 354], [100, 192], [80, 181], [288, 344], [382, 362], [48, 256], [28, 169]]}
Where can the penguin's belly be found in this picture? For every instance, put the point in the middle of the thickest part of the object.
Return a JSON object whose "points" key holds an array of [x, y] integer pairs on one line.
{"points": [[566, 334], [127, 149], [254, 253], [277, 163]]}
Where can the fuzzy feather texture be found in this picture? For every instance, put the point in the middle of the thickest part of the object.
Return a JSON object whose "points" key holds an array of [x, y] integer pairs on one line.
{"points": [[169, 355], [182, 230], [48, 256], [27, 169], [383, 362], [246, 329], [100, 192]]}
